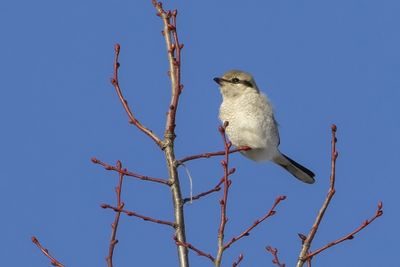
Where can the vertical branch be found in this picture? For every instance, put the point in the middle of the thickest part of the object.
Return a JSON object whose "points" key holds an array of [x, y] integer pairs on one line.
{"points": [[224, 200], [114, 225], [307, 242], [174, 59]]}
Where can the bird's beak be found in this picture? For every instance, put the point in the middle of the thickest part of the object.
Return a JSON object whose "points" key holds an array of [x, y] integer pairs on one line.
{"points": [[218, 80]]}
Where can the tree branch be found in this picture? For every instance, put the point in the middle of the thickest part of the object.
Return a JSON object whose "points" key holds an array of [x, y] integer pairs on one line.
{"points": [[129, 173], [143, 217], [305, 255], [198, 251], [114, 225], [246, 232], [174, 59], [45, 251], [223, 202], [378, 213], [307, 242], [124, 102], [212, 154], [239, 260], [274, 253], [215, 189]]}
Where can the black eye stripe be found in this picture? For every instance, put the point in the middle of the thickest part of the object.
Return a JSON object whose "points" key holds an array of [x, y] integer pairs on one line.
{"points": [[247, 83]]}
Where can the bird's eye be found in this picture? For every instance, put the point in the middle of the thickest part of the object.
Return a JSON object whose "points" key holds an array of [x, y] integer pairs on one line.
{"points": [[235, 80]]}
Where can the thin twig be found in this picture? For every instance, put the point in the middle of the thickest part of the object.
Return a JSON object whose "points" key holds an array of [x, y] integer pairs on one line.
{"points": [[239, 260], [246, 232], [45, 251], [215, 189], [125, 172], [135, 214], [274, 252], [223, 202], [124, 102], [198, 251], [307, 242], [114, 225], [212, 154], [378, 213]]}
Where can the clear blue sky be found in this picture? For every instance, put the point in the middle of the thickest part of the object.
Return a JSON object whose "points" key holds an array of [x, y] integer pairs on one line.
{"points": [[320, 62]]}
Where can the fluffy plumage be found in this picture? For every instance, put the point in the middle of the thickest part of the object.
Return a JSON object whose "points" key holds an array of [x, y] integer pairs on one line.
{"points": [[252, 123]]}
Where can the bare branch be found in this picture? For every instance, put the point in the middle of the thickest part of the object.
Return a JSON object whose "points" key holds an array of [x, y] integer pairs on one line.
{"points": [[223, 202], [212, 154], [274, 253], [45, 251], [129, 173], [132, 213], [198, 251], [378, 213], [206, 193], [307, 242], [114, 225], [305, 255], [246, 232], [124, 102], [174, 59], [240, 258]]}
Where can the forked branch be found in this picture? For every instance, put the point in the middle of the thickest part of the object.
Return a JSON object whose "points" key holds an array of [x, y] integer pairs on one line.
{"points": [[305, 254]]}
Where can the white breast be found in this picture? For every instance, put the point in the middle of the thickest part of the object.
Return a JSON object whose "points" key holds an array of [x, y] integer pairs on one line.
{"points": [[251, 123]]}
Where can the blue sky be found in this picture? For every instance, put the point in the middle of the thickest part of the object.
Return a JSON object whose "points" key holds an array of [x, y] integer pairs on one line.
{"points": [[320, 62]]}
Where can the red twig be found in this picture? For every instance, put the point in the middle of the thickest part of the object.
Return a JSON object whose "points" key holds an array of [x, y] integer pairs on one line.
{"points": [[215, 189], [351, 235], [246, 232], [114, 225], [132, 213], [240, 258], [305, 255], [307, 242], [45, 251], [274, 253], [223, 202], [124, 102], [190, 246], [129, 173], [212, 154]]}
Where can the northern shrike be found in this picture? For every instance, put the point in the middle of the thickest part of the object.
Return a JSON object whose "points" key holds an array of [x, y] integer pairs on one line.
{"points": [[251, 122]]}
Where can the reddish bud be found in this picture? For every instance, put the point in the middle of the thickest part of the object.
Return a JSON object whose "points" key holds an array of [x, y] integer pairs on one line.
{"points": [[117, 48], [333, 127], [94, 160], [104, 206]]}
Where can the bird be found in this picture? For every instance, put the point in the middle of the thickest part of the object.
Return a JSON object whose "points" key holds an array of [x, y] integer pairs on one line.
{"points": [[251, 122]]}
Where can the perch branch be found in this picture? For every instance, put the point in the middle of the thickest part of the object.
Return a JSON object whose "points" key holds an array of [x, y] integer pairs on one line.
{"points": [[212, 154], [223, 202]]}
